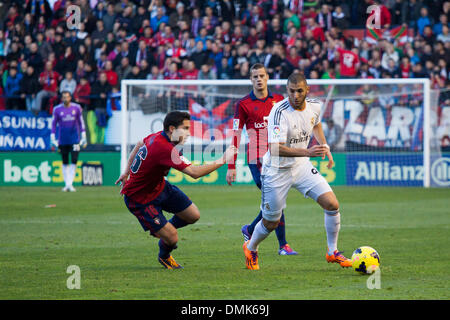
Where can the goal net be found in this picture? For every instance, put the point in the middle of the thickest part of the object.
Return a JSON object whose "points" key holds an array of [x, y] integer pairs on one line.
{"points": [[383, 132]]}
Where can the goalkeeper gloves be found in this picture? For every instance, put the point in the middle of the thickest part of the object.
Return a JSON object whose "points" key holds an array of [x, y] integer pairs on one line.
{"points": [[53, 141], [83, 141]]}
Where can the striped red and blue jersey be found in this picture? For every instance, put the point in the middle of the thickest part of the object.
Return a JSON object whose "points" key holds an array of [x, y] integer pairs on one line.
{"points": [[253, 113], [151, 164]]}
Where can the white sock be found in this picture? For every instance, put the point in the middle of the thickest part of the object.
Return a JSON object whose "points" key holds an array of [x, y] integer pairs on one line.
{"points": [[71, 173], [259, 234], [65, 171], [332, 226]]}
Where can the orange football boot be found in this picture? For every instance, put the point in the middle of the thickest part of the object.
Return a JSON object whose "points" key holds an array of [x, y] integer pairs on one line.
{"points": [[251, 257], [169, 263], [338, 257]]}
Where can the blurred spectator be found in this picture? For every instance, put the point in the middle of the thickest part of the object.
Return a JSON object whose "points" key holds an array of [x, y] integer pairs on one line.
{"points": [[99, 34], [49, 80], [405, 68], [29, 88], [443, 21], [389, 54], [172, 72], [82, 93], [178, 16], [44, 47], [124, 69], [137, 21], [424, 20], [109, 18], [213, 20], [325, 18], [290, 17], [227, 10], [34, 58], [199, 56], [141, 53], [12, 89], [274, 32], [158, 19], [136, 73], [68, 83], [66, 62], [97, 117], [348, 61], [191, 72], [444, 36], [111, 75], [225, 70]]}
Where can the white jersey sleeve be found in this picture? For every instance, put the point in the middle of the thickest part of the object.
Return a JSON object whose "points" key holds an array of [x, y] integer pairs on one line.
{"points": [[277, 128]]}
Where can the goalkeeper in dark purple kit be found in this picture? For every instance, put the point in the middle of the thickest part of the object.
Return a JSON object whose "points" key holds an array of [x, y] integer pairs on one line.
{"points": [[68, 134]]}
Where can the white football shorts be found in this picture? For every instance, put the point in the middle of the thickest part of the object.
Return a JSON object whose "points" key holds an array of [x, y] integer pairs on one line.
{"points": [[276, 183]]}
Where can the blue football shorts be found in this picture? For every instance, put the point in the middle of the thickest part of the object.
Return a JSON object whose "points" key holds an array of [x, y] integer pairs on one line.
{"points": [[150, 215]]}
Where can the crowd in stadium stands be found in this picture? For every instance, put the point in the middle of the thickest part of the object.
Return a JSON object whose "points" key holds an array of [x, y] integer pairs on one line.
{"points": [[211, 39]]}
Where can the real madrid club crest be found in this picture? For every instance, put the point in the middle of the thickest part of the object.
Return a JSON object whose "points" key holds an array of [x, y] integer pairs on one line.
{"points": [[312, 121]]}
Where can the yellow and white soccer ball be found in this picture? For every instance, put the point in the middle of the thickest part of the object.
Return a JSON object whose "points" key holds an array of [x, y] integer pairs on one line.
{"points": [[365, 260]]}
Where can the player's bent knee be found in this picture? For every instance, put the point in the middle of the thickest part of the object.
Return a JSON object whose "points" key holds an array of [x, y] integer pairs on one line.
{"points": [[171, 239], [271, 225], [191, 214], [168, 234], [271, 220], [332, 206], [195, 215], [328, 201]]}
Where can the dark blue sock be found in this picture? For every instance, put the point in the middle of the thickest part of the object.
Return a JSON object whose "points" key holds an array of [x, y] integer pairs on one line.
{"points": [[252, 226], [164, 249], [177, 222], [281, 231]]}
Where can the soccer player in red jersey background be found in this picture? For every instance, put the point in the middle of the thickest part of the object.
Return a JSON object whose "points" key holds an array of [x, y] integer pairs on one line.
{"points": [[147, 193], [253, 111]]}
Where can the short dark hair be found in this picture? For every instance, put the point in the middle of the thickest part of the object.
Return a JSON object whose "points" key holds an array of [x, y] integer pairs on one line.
{"points": [[257, 66], [296, 78], [66, 91], [175, 118]]}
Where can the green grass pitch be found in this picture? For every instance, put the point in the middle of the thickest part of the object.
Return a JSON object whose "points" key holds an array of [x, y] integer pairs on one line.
{"points": [[92, 229]]}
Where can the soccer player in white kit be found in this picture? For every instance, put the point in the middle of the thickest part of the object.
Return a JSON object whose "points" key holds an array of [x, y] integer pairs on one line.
{"points": [[286, 165]]}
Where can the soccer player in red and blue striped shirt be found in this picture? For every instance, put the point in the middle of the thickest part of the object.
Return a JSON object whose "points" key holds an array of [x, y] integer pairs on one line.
{"points": [[253, 111], [147, 193]]}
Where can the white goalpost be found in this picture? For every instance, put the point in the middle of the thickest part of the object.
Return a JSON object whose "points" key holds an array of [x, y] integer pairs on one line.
{"points": [[388, 127]]}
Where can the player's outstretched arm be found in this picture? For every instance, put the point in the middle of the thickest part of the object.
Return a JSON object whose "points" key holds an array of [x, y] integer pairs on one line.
{"points": [[124, 176], [202, 170]]}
